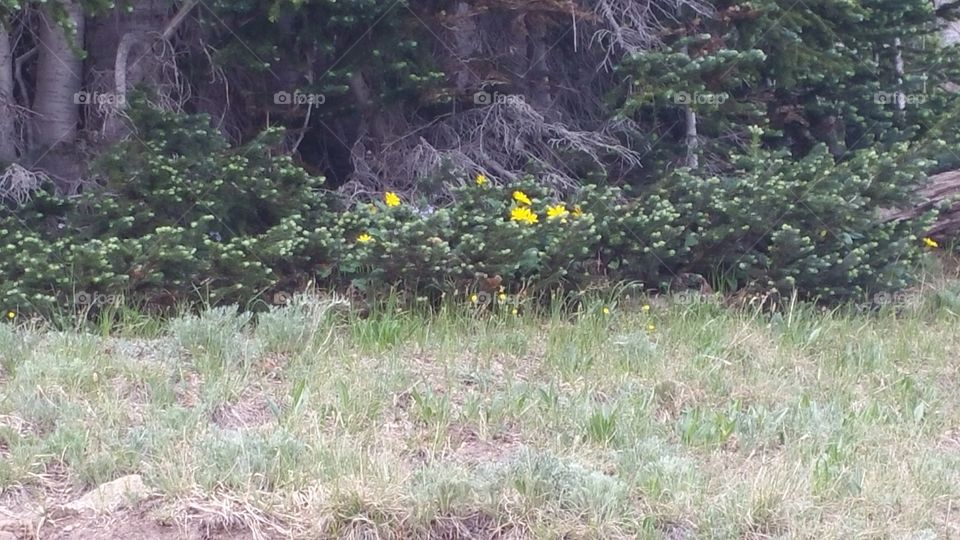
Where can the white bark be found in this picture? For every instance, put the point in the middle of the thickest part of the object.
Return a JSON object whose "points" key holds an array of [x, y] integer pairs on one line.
{"points": [[59, 79], [693, 138], [114, 128], [8, 133], [900, 98], [144, 31]]}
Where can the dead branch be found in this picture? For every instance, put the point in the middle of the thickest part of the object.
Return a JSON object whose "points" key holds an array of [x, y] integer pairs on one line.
{"points": [[633, 26], [502, 140], [17, 184]]}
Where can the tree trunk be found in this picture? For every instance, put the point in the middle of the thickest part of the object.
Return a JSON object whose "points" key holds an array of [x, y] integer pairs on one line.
{"points": [[900, 97], [8, 133], [692, 138], [59, 79], [466, 45], [122, 49]]}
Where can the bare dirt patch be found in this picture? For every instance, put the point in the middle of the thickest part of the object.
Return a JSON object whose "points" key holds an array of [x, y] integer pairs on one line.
{"points": [[471, 449], [135, 523], [127, 525], [951, 440], [249, 411]]}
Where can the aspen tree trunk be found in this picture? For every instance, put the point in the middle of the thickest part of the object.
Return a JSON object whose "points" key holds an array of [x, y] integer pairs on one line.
{"points": [[59, 79], [8, 133]]}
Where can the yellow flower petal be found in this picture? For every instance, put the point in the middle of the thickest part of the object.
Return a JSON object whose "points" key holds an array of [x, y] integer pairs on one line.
{"points": [[521, 198], [391, 198], [557, 211]]}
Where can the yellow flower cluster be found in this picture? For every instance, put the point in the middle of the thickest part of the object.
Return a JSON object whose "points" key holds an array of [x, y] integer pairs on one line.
{"points": [[391, 199], [523, 214]]}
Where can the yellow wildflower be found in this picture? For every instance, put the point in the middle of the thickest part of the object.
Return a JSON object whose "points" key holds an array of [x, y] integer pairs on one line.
{"points": [[524, 214], [557, 211], [391, 198], [606, 311], [11, 315], [521, 198], [502, 296], [515, 312], [651, 327], [474, 298], [364, 238], [577, 211], [646, 308], [931, 243], [481, 180]]}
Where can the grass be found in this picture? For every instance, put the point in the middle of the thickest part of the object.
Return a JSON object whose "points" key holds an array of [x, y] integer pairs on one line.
{"points": [[683, 421]]}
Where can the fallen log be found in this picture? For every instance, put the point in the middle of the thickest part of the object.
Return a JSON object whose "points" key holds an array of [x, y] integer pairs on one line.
{"points": [[942, 191]]}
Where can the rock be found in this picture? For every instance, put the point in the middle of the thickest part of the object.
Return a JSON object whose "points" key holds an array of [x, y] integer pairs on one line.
{"points": [[112, 495]]}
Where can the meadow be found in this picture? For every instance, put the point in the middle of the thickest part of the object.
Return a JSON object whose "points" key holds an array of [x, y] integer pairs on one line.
{"points": [[671, 417]]}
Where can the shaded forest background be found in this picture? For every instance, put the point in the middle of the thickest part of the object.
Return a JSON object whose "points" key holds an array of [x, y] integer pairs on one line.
{"points": [[403, 95]]}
